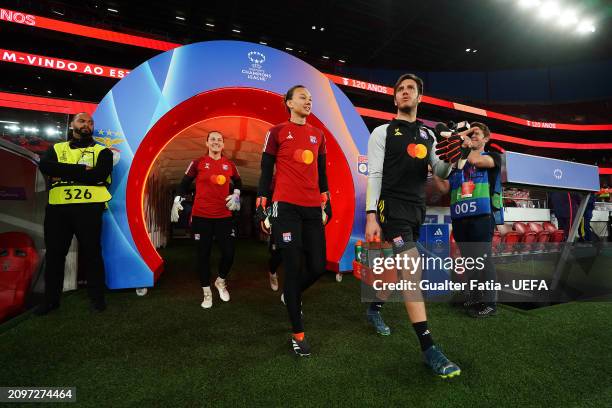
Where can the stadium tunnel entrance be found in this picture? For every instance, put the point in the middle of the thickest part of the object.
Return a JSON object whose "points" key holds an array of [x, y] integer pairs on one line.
{"points": [[243, 116]]}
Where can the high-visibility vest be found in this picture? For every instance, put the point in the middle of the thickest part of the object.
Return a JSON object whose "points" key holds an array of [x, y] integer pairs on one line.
{"points": [[74, 192]]}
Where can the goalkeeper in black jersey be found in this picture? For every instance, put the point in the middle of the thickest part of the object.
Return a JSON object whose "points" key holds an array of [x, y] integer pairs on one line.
{"points": [[398, 156]]}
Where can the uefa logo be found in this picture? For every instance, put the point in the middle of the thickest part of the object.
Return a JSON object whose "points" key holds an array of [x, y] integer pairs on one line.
{"points": [[256, 57], [558, 174]]}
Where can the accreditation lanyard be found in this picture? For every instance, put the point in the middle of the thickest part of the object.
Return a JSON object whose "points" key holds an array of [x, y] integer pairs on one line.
{"points": [[467, 185]]}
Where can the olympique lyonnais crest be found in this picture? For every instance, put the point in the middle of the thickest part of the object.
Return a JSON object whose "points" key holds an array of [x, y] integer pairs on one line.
{"points": [[362, 165], [398, 241]]}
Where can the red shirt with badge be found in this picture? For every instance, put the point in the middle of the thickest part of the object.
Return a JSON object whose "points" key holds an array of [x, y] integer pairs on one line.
{"points": [[212, 180], [296, 148]]}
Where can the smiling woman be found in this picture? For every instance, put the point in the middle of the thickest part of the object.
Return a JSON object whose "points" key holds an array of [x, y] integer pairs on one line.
{"points": [[174, 94]]}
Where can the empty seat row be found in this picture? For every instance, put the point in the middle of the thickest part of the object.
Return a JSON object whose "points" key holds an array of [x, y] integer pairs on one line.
{"points": [[521, 237]]}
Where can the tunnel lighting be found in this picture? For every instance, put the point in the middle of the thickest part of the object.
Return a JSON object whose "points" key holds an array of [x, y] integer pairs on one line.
{"points": [[49, 92], [235, 30], [12, 122], [210, 25], [112, 10], [322, 29], [468, 49], [325, 57], [289, 48], [180, 18], [341, 61], [12, 128], [30, 129], [549, 9], [263, 43], [314, 27]]}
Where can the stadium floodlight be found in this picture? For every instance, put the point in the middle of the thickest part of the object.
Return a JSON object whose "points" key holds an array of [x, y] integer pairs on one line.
{"points": [[549, 10], [12, 122], [585, 27], [567, 18], [13, 128], [529, 3], [51, 132]]}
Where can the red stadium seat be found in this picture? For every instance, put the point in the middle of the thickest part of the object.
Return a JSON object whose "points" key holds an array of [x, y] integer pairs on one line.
{"points": [[542, 236], [496, 242], [528, 237], [510, 242], [509, 239], [556, 235], [18, 260], [556, 238], [529, 242], [504, 229], [548, 226]]}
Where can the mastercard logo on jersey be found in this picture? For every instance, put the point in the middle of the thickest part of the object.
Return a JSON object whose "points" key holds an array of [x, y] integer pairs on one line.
{"points": [[418, 151], [303, 156], [218, 179]]}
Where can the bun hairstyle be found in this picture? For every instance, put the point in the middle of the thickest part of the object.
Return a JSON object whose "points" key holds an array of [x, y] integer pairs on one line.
{"points": [[289, 95]]}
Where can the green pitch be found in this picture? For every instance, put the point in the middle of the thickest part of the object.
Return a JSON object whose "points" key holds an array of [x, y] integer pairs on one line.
{"points": [[165, 350]]}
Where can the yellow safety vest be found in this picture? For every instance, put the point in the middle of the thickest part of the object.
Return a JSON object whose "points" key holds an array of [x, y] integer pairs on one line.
{"points": [[72, 192]]}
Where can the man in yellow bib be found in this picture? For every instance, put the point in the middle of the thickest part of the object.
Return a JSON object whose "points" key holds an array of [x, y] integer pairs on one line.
{"points": [[79, 176]]}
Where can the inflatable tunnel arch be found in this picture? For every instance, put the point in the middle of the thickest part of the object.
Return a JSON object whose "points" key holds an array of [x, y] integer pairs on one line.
{"points": [[182, 87]]}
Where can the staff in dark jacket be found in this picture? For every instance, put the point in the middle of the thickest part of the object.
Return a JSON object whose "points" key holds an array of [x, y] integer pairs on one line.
{"points": [[79, 172]]}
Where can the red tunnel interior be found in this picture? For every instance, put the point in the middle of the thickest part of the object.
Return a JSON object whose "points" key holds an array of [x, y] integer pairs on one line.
{"points": [[238, 102]]}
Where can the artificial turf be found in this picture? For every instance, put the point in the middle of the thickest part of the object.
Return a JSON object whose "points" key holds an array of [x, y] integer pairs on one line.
{"points": [[165, 350]]}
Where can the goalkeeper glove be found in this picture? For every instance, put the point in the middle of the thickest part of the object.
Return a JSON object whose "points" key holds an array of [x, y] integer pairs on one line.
{"points": [[232, 201]]}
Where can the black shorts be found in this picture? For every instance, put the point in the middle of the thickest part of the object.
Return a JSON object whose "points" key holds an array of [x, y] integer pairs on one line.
{"points": [[293, 225], [207, 228], [400, 222]]}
